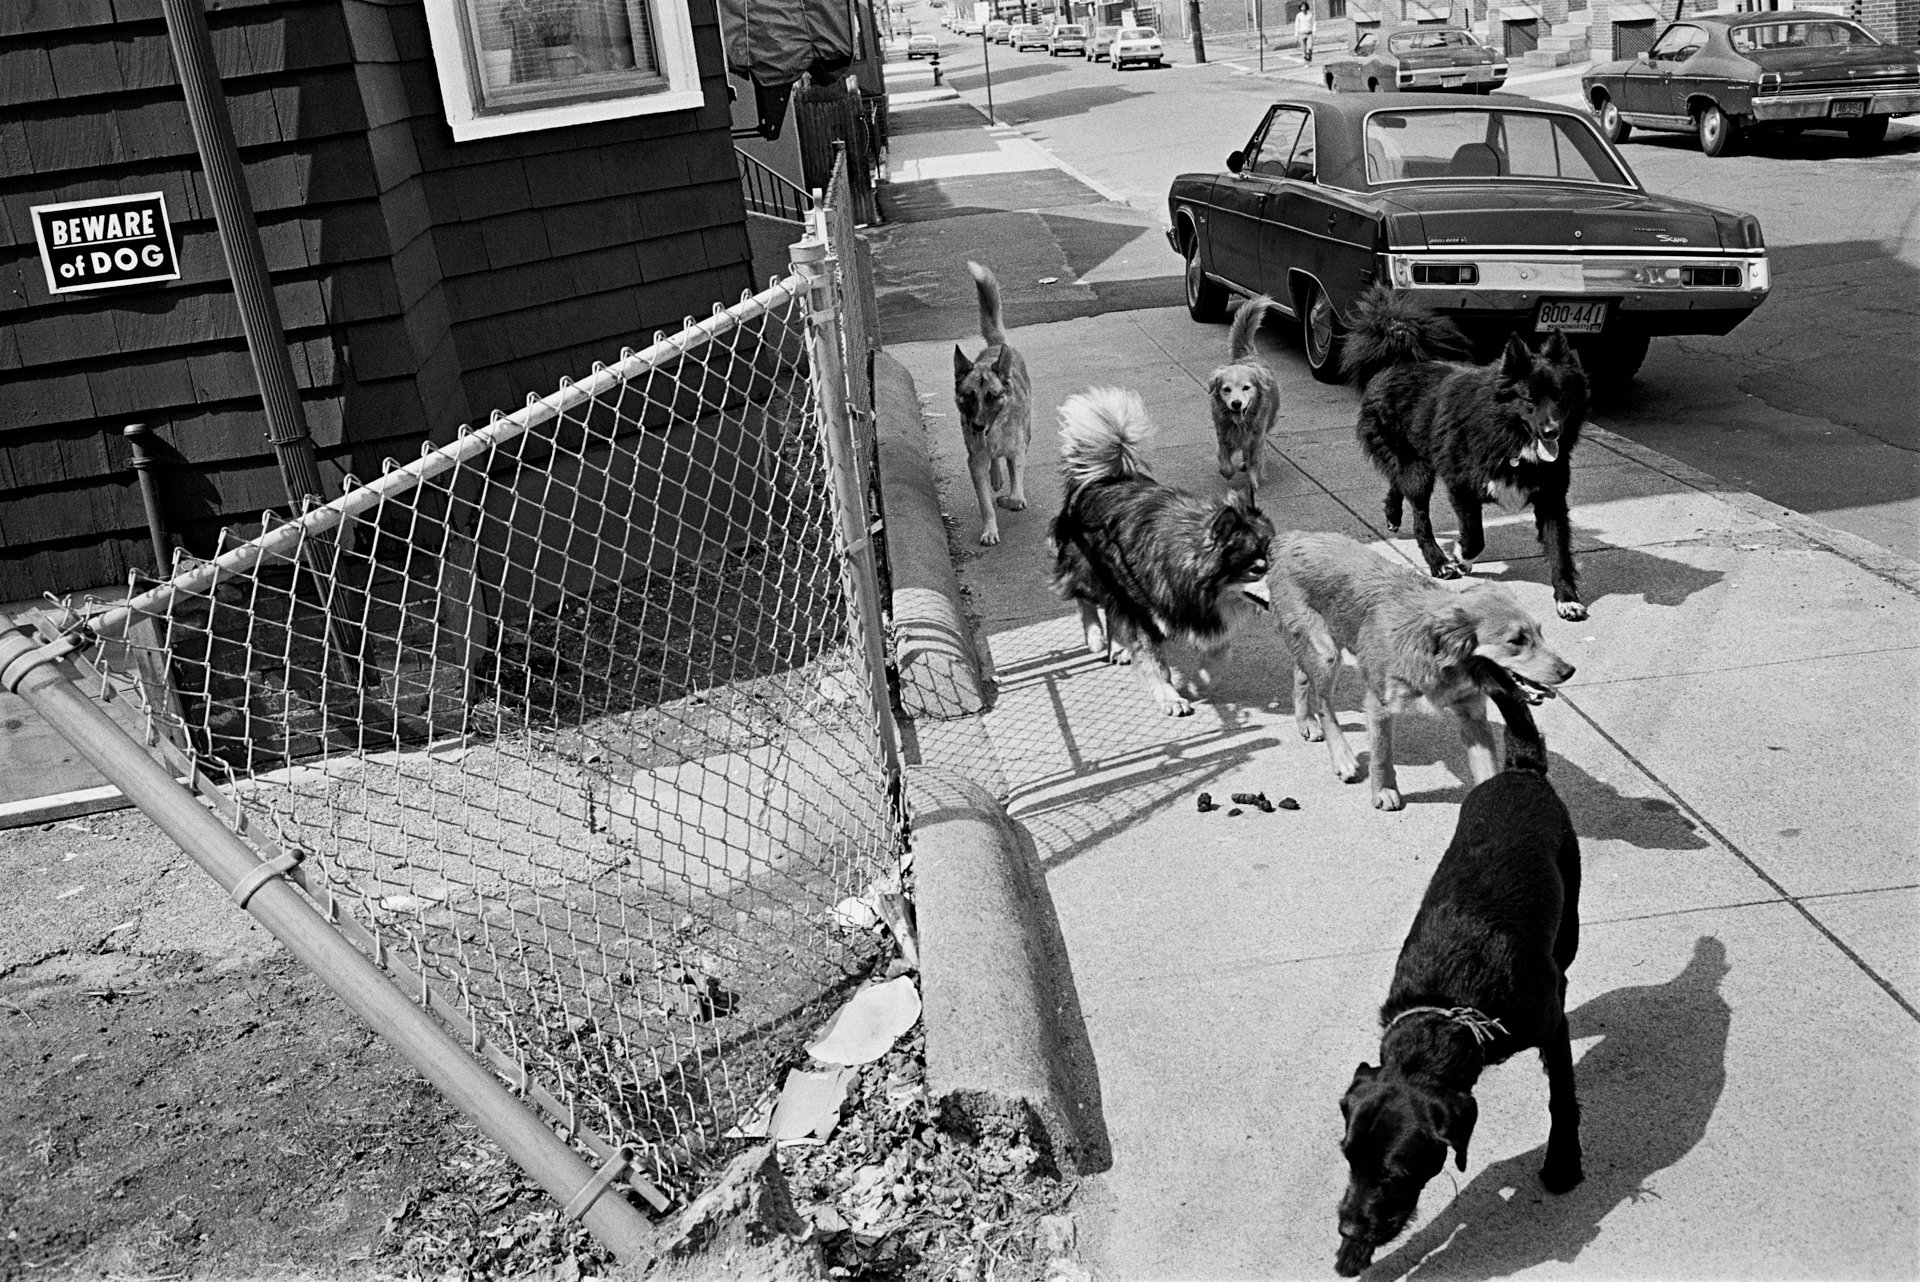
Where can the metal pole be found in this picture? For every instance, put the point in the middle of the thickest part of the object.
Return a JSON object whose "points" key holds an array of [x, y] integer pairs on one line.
{"points": [[240, 239], [986, 61], [811, 260], [1193, 20], [25, 670], [137, 434]]}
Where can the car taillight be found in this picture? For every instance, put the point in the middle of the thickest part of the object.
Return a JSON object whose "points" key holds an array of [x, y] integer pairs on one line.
{"points": [[1769, 82], [1445, 274], [1710, 277], [1406, 77]]}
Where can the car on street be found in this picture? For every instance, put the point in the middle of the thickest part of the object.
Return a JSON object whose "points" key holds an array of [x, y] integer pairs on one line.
{"points": [[968, 26], [923, 45], [1417, 58], [1028, 35], [1068, 38], [999, 31], [1100, 42], [1136, 45], [1503, 213], [1721, 76]]}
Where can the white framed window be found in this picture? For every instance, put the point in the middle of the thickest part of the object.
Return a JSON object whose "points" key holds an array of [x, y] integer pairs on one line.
{"points": [[511, 66]]}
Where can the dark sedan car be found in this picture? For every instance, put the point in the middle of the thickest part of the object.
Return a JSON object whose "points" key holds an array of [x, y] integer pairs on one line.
{"points": [[1503, 213], [1416, 58], [1719, 75]]}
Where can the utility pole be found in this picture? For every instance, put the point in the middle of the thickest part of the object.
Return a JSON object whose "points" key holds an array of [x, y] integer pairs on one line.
{"points": [[1193, 21]]}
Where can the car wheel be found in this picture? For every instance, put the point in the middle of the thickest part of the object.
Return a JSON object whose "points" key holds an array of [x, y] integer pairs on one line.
{"points": [[1718, 133], [1615, 129], [1322, 334], [1870, 132], [1612, 359], [1206, 299]]}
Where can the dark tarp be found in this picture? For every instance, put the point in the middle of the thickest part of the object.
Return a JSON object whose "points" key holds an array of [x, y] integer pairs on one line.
{"points": [[775, 42]]}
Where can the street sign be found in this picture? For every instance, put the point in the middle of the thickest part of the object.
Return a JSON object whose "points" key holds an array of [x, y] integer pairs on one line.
{"points": [[104, 244]]}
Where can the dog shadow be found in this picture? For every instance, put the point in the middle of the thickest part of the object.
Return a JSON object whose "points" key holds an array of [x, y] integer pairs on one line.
{"points": [[1647, 1092], [1605, 571]]}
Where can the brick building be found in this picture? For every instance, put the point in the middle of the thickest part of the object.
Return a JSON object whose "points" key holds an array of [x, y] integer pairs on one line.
{"points": [[428, 270]]}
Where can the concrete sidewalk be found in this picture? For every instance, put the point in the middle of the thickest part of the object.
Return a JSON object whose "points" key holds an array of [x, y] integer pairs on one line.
{"points": [[1737, 750]]}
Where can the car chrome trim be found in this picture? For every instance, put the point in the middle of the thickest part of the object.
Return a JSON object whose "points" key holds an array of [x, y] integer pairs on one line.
{"points": [[1880, 102], [1532, 253]]}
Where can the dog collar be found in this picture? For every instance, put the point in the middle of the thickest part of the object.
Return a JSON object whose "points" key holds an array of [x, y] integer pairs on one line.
{"points": [[1481, 1025]]}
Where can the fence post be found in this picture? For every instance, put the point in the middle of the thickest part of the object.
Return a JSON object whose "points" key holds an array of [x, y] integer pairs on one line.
{"points": [[812, 262], [31, 670]]}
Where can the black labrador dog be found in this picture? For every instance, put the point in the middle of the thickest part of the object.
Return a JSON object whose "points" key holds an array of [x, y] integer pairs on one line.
{"points": [[1481, 977]]}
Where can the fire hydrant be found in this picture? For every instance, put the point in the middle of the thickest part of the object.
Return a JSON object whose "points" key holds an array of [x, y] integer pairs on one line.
{"points": [[937, 82]]}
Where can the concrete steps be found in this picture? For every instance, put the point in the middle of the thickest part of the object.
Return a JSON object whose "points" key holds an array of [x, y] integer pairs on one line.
{"points": [[1567, 43]]}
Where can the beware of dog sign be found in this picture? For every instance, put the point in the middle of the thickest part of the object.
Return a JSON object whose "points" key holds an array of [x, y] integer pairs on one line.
{"points": [[102, 244]]}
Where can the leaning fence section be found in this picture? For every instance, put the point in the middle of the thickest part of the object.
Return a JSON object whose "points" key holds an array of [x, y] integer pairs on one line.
{"points": [[576, 720]]}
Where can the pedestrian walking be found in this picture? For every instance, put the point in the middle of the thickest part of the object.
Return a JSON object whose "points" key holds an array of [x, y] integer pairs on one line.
{"points": [[1303, 29]]}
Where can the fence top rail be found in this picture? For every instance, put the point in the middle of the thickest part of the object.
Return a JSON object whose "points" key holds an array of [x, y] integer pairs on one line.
{"points": [[282, 540]]}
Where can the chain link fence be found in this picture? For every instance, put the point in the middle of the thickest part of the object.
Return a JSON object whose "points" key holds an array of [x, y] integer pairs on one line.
{"points": [[578, 724]]}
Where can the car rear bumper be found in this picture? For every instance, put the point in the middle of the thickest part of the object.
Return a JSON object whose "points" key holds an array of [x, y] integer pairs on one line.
{"points": [[1817, 106], [1453, 77], [1651, 295]]}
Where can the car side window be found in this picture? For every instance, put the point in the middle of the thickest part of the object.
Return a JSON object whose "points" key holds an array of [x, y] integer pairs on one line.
{"points": [[1283, 127], [1300, 165], [1364, 45], [1678, 44]]}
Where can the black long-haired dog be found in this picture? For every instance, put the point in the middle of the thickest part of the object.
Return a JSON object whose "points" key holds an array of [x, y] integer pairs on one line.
{"points": [[1503, 430], [1147, 563], [1482, 976]]}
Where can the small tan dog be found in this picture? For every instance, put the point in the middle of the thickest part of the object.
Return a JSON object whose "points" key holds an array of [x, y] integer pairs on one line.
{"points": [[1245, 397], [1416, 643], [995, 401]]}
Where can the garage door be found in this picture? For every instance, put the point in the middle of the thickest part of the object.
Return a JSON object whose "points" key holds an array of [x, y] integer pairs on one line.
{"points": [[1522, 37], [1631, 39]]}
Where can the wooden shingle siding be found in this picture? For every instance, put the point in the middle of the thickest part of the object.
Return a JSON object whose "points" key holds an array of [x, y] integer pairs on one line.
{"points": [[422, 283]]}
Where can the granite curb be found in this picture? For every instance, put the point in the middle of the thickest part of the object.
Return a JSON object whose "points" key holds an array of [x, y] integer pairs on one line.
{"points": [[941, 673]]}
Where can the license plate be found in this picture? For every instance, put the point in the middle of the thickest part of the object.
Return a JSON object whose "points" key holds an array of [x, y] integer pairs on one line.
{"points": [[1570, 318], [1848, 107], [1453, 82]]}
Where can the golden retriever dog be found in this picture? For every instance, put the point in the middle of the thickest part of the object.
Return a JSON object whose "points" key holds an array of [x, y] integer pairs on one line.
{"points": [[1417, 644], [1245, 397], [995, 400]]}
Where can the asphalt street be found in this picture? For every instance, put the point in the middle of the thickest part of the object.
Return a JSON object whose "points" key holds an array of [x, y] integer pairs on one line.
{"points": [[1811, 403]]}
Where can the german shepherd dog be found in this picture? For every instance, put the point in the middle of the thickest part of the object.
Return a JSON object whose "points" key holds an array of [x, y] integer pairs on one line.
{"points": [[1482, 976], [995, 401], [1503, 430], [1144, 562], [1418, 645], [1244, 396]]}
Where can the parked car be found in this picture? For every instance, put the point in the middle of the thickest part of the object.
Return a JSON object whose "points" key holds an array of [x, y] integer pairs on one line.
{"points": [[1067, 39], [1136, 44], [1418, 58], [1719, 76], [924, 45], [968, 26], [999, 32], [1100, 42], [1028, 35], [1504, 213]]}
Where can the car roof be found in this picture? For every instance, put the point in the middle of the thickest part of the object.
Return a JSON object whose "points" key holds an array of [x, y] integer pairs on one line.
{"points": [[1340, 116]]}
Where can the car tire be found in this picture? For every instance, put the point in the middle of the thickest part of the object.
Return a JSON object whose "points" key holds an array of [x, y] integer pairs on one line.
{"points": [[1206, 299], [1612, 126], [1322, 336], [1870, 132], [1718, 132], [1612, 359]]}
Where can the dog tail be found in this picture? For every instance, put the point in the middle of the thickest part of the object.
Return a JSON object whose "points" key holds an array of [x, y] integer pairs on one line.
{"points": [[988, 287], [1103, 436], [1526, 751], [1387, 329], [1246, 323]]}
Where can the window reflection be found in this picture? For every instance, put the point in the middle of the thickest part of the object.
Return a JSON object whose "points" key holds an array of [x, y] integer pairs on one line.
{"points": [[539, 50]]}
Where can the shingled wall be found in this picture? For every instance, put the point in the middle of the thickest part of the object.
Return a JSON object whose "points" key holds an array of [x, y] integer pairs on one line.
{"points": [[423, 283]]}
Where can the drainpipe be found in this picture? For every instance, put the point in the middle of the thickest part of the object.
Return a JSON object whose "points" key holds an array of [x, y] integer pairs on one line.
{"points": [[240, 239]]}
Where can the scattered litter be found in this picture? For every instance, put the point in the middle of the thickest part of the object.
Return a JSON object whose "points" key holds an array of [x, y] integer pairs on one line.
{"points": [[1049, 280], [1235, 812], [855, 913], [72, 855], [1287, 803], [806, 1109], [866, 1027], [1258, 800], [70, 892], [71, 826], [1206, 803]]}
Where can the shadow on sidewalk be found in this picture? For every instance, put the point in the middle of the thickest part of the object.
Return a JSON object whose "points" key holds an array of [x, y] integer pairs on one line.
{"points": [[1065, 102], [1647, 1092], [1605, 571]]}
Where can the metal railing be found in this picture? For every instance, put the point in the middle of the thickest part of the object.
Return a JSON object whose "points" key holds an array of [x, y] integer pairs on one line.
{"points": [[578, 727], [770, 192]]}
